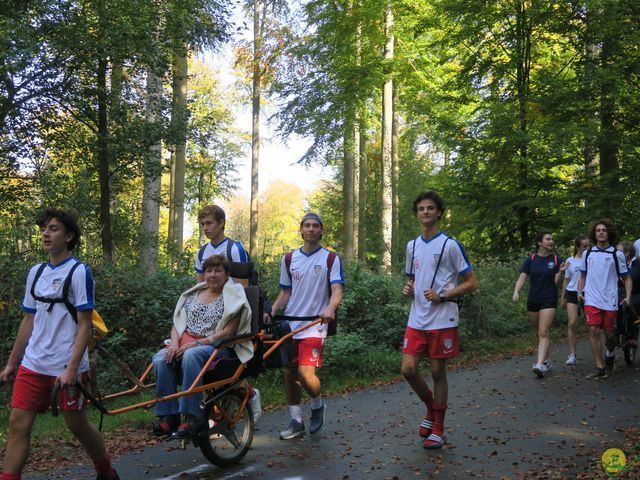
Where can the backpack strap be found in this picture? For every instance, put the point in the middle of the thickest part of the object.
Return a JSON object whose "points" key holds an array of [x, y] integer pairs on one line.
{"points": [[615, 261], [201, 252], [65, 292], [413, 256], [555, 261], [66, 287], [435, 272], [287, 264], [332, 328], [35, 280], [229, 247]]}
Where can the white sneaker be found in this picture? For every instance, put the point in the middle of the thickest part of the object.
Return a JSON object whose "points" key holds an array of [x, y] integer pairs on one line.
{"points": [[540, 369], [256, 406], [571, 359], [547, 364]]}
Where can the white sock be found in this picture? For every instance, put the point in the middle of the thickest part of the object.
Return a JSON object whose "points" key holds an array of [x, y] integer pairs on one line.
{"points": [[609, 354], [296, 413], [316, 402]]}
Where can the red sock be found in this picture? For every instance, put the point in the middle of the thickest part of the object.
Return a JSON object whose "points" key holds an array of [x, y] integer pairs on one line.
{"points": [[428, 401], [10, 476], [103, 467], [438, 419]]}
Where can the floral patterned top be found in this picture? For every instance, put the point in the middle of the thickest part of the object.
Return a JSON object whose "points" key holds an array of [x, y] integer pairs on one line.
{"points": [[203, 318]]}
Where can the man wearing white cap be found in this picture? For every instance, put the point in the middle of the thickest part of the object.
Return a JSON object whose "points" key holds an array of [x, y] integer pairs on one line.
{"points": [[311, 282]]}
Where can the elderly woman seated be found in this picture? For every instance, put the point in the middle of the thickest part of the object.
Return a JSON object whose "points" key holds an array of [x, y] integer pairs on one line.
{"points": [[214, 309]]}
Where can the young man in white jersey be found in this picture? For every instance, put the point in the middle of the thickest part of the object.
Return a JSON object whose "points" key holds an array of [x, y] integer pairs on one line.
{"points": [[212, 220], [51, 347], [600, 269], [434, 264], [311, 283]]}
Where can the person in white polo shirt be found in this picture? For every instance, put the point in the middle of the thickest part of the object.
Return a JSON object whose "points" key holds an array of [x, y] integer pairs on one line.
{"points": [[600, 269], [51, 347], [434, 264], [311, 283], [212, 220]]}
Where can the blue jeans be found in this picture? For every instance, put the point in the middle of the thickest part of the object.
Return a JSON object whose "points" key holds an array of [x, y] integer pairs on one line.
{"points": [[168, 379]]}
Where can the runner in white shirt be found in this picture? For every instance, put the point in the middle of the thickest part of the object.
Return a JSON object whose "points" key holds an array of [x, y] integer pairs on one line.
{"points": [[434, 264], [598, 286], [51, 348], [571, 269], [212, 220], [311, 283]]}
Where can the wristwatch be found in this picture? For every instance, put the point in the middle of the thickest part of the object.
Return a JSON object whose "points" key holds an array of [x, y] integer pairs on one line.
{"points": [[442, 299]]}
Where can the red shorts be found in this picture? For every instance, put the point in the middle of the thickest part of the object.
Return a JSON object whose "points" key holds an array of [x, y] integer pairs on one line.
{"points": [[441, 343], [605, 319], [32, 391], [308, 351]]}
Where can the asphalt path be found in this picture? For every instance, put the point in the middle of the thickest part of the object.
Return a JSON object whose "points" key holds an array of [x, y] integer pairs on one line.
{"points": [[502, 422]]}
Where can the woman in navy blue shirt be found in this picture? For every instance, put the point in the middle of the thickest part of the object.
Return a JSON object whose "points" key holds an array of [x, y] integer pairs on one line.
{"points": [[545, 276]]}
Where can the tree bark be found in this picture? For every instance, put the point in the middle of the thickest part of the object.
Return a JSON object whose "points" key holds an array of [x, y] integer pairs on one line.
{"points": [[179, 117], [395, 171], [106, 236], [363, 169], [151, 180], [348, 187], [255, 129], [387, 126]]}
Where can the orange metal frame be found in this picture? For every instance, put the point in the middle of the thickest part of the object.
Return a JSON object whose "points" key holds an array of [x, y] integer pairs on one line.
{"points": [[195, 388]]}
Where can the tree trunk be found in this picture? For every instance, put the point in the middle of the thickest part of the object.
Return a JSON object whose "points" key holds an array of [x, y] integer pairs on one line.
{"points": [[523, 46], [608, 144], [151, 180], [103, 144], [387, 126], [362, 192], [395, 170], [347, 187], [356, 187], [179, 119], [255, 129]]}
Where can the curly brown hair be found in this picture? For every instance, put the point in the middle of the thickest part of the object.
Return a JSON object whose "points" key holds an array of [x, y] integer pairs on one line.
{"points": [[611, 230]]}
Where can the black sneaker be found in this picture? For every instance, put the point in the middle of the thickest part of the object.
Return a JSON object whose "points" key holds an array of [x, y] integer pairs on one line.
{"points": [[597, 374], [609, 362], [317, 419], [166, 425], [192, 428]]}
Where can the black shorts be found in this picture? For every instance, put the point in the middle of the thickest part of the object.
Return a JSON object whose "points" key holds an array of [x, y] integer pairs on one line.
{"points": [[572, 297], [536, 306]]}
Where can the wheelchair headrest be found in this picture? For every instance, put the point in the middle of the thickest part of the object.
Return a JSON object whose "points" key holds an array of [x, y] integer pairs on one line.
{"points": [[241, 270]]}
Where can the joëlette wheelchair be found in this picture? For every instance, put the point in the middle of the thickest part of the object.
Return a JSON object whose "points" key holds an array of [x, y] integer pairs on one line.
{"points": [[226, 395]]}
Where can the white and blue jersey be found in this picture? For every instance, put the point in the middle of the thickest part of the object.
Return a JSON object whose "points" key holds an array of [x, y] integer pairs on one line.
{"points": [[54, 332], [422, 260], [238, 253], [601, 286], [310, 283]]}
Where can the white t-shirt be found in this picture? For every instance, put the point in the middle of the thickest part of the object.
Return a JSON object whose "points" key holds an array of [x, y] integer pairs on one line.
{"points": [[310, 285], [636, 245], [54, 333], [572, 273], [601, 286], [238, 253], [424, 314]]}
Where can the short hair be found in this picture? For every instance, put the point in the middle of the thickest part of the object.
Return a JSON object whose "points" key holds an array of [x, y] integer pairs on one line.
{"points": [[611, 230], [429, 195], [539, 236], [67, 217], [629, 248], [577, 242], [216, 211], [217, 261]]}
